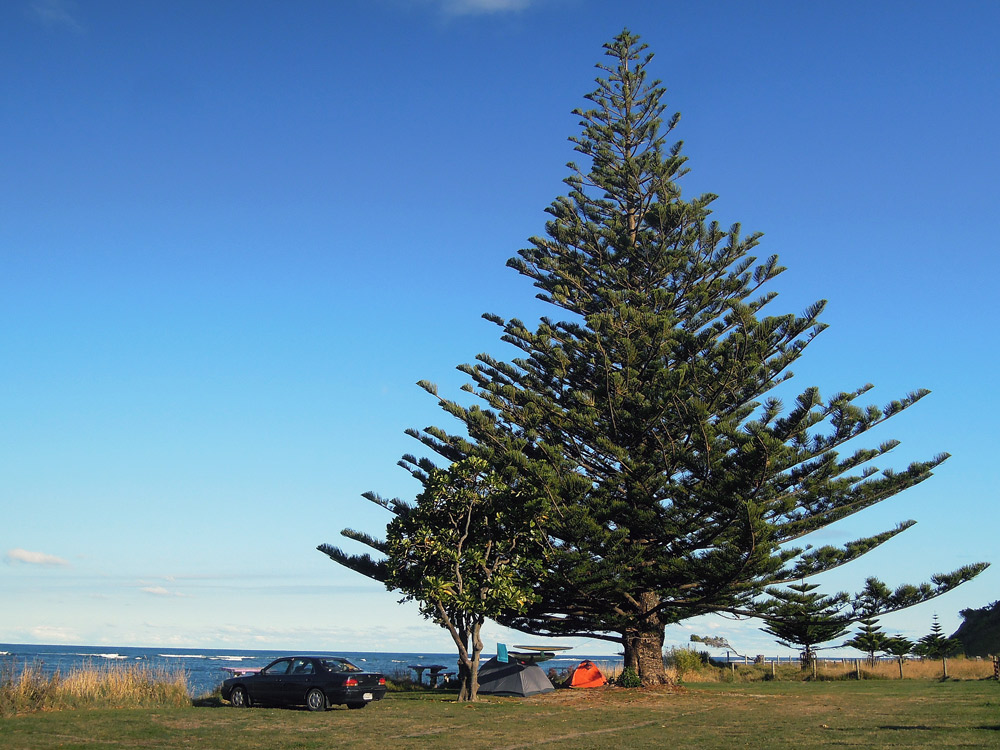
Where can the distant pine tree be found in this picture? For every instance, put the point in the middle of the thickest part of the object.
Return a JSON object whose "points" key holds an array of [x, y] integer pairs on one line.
{"points": [[800, 616], [899, 647], [936, 645], [870, 639]]}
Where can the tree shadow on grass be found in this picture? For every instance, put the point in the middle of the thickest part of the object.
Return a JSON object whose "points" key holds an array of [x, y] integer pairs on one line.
{"points": [[900, 727], [925, 728], [208, 701]]}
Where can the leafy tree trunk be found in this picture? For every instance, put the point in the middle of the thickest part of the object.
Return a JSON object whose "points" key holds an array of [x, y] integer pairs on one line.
{"points": [[900, 660], [644, 645], [944, 667]]}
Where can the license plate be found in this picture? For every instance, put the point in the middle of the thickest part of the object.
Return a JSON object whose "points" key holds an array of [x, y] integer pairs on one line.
{"points": [[367, 696]]}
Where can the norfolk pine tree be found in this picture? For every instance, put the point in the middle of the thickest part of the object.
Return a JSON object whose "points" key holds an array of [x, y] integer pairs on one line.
{"points": [[801, 616], [676, 482], [936, 645], [870, 639], [898, 647]]}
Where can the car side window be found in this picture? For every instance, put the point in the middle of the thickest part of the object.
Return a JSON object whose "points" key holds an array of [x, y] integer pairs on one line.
{"points": [[302, 666], [340, 665], [279, 667]]}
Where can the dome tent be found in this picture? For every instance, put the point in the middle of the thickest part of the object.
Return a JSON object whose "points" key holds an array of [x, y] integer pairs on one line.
{"points": [[587, 675], [512, 678]]}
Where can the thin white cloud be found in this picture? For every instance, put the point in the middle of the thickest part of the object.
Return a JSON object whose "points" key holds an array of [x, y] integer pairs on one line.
{"points": [[55, 13], [34, 558], [54, 634], [159, 591], [482, 7]]}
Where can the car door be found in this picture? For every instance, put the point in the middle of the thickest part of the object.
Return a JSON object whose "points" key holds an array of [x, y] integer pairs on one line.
{"points": [[269, 685], [301, 676]]}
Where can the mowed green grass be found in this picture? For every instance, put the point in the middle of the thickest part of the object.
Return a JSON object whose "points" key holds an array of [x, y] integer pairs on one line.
{"points": [[867, 714]]}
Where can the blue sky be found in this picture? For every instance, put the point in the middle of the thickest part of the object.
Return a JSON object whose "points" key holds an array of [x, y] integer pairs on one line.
{"points": [[235, 234]]}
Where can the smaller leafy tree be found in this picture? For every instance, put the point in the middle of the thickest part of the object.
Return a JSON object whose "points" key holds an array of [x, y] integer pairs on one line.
{"points": [[465, 551], [936, 645], [899, 647], [715, 642], [870, 639], [800, 616]]}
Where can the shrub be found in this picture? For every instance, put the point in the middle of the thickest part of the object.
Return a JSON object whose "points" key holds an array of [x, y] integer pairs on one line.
{"points": [[629, 678], [685, 661]]}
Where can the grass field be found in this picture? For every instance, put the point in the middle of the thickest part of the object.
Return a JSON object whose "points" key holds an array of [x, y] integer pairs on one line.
{"points": [[865, 714]]}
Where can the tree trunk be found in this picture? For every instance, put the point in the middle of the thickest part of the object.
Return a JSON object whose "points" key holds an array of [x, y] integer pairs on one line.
{"points": [[462, 633], [944, 666], [644, 646], [464, 680], [477, 649], [900, 659]]}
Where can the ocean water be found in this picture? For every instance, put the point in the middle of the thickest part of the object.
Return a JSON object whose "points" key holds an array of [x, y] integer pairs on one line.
{"points": [[204, 667]]}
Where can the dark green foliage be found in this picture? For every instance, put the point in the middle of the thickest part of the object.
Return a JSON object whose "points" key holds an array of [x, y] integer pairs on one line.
{"points": [[979, 632], [467, 549], [801, 617], [898, 646], [936, 645], [676, 482], [870, 639], [628, 679]]}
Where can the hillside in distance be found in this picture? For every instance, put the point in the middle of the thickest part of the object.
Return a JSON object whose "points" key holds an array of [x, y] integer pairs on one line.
{"points": [[979, 632]]}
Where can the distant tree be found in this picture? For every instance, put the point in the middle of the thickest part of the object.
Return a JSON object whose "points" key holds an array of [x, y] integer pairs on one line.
{"points": [[715, 642], [936, 645], [799, 616], [870, 639], [677, 483], [464, 551], [899, 647]]}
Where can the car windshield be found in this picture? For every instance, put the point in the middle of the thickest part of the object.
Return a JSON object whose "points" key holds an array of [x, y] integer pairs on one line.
{"points": [[340, 665]]}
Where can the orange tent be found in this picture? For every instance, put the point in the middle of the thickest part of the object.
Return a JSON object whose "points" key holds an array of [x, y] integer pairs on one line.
{"points": [[587, 675]]}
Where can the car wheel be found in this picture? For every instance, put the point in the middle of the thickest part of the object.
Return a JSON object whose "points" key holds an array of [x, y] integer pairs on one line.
{"points": [[357, 705], [239, 698], [315, 700]]}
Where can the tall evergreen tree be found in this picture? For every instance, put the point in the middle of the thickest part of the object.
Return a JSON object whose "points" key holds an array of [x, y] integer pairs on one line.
{"points": [[677, 482], [870, 639], [936, 645], [899, 647], [801, 616]]}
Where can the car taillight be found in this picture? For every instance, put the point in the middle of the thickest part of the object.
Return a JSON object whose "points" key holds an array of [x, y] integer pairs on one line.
{"points": [[350, 682], [381, 680]]}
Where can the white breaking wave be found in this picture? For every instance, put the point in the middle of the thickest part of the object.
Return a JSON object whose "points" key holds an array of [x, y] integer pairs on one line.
{"points": [[183, 656]]}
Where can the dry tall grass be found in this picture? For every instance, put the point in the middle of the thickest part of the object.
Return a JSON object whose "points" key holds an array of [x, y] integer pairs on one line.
{"points": [[107, 686], [913, 669]]}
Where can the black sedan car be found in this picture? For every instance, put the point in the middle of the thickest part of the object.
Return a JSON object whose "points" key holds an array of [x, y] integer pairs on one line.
{"points": [[316, 682]]}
